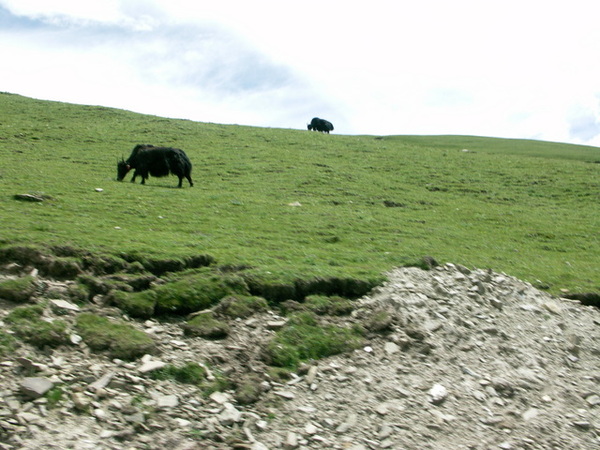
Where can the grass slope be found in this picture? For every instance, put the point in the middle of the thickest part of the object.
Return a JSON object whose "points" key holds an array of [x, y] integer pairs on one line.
{"points": [[367, 204]]}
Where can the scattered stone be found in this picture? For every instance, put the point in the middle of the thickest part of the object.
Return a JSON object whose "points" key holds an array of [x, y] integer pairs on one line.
{"points": [[101, 382], [229, 415], [29, 197], [593, 400], [310, 429], [525, 368], [311, 375], [182, 423], [553, 307], [136, 418], [347, 424], [276, 324], [150, 366], [35, 387], [530, 414], [390, 348], [100, 414], [385, 432], [64, 305], [582, 424], [437, 394], [285, 394], [81, 401], [291, 441], [496, 303], [28, 364], [26, 417], [220, 397], [167, 401], [382, 409]]}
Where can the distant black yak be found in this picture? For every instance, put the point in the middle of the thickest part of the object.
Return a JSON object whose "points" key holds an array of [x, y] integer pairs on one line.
{"points": [[320, 125], [156, 161]]}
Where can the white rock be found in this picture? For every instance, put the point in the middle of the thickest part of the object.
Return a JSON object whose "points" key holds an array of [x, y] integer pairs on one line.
{"points": [[437, 394], [310, 429], [291, 440], [530, 414], [593, 400], [182, 423], [258, 446], [167, 401], [101, 382], [229, 415], [63, 304], [150, 366], [36, 386], [262, 425], [382, 409], [390, 348], [219, 397], [27, 417], [100, 414], [285, 394]]}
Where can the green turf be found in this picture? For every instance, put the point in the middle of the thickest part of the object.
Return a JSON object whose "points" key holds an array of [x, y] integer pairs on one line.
{"points": [[363, 204]]}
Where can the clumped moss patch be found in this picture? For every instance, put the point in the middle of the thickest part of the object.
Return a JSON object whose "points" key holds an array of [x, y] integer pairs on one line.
{"points": [[7, 344], [379, 321], [248, 389], [118, 338], [196, 290], [190, 373], [332, 305], [194, 374], [18, 290], [28, 324], [136, 304], [241, 306], [206, 325], [183, 293], [304, 338]]}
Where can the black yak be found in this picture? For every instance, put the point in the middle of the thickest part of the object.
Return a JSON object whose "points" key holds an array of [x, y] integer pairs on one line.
{"points": [[320, 125], [156, 161]]}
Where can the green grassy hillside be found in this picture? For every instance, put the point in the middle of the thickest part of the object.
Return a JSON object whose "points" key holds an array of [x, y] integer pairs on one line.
{"points": [[294, 203]]}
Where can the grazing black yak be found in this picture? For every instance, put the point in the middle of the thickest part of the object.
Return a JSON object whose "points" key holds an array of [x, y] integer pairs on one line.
{"points": [[156, 161], [320, 125]]}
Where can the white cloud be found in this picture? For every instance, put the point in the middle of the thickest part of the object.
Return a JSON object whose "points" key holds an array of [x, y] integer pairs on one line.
{"points": [[500, 68]]}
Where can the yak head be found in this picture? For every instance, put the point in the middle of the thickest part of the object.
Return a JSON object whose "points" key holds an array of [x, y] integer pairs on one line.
{"points": [[122, 169], [309, 126]]}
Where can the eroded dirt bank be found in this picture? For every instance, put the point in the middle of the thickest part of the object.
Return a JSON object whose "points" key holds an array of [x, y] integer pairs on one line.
{"points": [[470, 359]]}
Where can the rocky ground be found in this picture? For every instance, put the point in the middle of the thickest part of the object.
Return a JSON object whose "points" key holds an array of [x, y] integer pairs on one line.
{"points": [[473, 359]]}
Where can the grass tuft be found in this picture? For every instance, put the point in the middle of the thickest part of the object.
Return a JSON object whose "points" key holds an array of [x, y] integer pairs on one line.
{"points": [[28, 324], [118, 338], [304, 338], [18, 290], [207, 326]]}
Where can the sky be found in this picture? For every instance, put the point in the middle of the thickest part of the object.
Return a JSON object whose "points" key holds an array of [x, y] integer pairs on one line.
{"points": [[511, 68]]}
